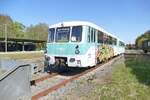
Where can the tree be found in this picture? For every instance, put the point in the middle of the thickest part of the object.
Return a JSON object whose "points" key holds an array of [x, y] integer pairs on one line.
{"points": [[16, 30], [19, 29], [39, 31], [4, 19]]}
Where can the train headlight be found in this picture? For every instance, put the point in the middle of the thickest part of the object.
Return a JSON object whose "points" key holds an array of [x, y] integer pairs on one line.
{"points": [[77, 51], [72, 60], [78, 61]]}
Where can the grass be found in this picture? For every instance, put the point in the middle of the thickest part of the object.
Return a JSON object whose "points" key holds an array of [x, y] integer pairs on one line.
{"points": [[130, 80], [22, 55]]}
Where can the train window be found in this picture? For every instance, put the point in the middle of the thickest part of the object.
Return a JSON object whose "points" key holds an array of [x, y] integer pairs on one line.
{"points": [[114, 41], [106, 39], [121, 43], [92, 35], [51, 34], [110, 40], [89, 34], [62, 34], [76, 34], [100, 37]]}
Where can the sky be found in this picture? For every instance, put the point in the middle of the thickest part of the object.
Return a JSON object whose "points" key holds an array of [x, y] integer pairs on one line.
{"points": [[125, 19]]}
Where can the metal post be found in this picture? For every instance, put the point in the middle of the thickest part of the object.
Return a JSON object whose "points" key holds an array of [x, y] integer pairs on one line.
{"points": [[5, 37], [22, 45]]}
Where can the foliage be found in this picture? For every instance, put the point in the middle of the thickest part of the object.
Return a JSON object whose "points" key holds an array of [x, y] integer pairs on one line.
{"points": [[5, 19], [130, 46], [16, 30], [39, 31]]}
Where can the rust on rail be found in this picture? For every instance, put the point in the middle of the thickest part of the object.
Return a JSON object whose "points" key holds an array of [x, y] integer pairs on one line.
{"points": [[45, 77], [46, 92]]}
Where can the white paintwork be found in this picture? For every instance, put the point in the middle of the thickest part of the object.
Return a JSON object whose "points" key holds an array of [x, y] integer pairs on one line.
{"points": [[81, 23]]}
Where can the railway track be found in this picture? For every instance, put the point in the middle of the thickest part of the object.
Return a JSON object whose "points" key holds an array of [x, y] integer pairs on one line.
{"points": [[49, 83]]}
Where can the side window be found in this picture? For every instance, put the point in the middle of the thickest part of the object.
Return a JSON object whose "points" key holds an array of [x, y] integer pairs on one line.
{"points": [[100, 37], [121, 43], [106, 38], [92, 35], [89, 31], [51, 35], [110, 40], [114, 41]]}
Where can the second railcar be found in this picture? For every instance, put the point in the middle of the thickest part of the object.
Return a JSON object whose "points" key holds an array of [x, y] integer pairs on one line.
{"points": [[146, 46]]}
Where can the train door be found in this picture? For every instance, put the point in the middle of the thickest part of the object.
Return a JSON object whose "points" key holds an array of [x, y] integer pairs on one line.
{"points": [[96, 43], [93, 46]]}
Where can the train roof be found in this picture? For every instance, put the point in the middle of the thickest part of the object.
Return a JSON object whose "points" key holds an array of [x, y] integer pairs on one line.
{"points": [[82, 23]]}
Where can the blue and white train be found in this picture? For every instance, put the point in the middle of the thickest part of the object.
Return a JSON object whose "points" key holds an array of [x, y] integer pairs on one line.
{"points": [[81, 44]]}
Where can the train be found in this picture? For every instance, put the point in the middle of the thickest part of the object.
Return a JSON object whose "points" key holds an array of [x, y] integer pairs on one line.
{"points": [[80, 44], [146, 46]]}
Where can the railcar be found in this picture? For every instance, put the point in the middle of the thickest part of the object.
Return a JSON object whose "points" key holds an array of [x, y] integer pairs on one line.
{"points": [[80, 44], [146, 46]]}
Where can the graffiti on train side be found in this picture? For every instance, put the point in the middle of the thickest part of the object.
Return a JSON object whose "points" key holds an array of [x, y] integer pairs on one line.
{"points": [[104, 52]]}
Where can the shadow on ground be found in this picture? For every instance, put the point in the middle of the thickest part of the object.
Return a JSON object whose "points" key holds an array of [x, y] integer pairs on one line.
{"points": [[140, 67], [65, 71]]}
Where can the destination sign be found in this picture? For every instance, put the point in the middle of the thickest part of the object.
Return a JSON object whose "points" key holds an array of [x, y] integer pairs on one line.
{"points": [[63, 29]]}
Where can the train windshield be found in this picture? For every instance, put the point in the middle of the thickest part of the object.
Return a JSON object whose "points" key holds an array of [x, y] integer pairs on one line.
{"points": [[62, 34], [51, 34], [76, 34]]}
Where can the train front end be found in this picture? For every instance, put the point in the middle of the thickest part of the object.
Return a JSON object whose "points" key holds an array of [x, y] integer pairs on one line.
{"points": [[65, 45]]}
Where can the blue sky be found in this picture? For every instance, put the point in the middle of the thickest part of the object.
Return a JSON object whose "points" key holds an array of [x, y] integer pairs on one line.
{"points": [[126, 19]]}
